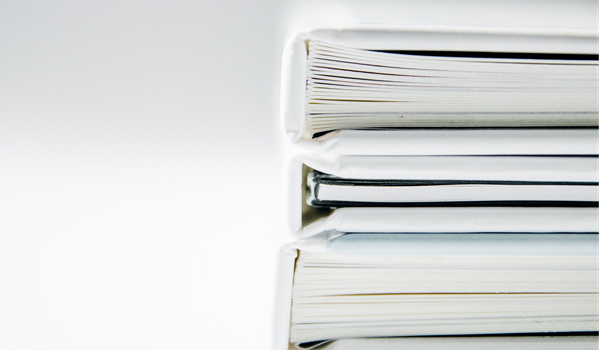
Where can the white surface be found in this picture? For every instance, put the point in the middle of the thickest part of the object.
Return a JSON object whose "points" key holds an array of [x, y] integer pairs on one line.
{"points": [[576, 14], [116, 125]]}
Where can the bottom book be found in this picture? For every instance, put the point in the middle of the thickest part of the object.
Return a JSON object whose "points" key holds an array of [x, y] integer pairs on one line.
{"points": [[392, 285]]}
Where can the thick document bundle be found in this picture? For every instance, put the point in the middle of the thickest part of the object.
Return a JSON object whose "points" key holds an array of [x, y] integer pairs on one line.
{"points": [[377, 285], [423, 91], [355, 89]]}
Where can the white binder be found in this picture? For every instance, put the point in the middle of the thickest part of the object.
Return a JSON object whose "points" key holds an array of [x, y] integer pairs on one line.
{"points": [[305, 221], [433, 141]]}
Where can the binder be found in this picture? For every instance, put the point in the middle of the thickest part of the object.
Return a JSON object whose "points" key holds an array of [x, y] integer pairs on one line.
{"points": [[434, 141]]}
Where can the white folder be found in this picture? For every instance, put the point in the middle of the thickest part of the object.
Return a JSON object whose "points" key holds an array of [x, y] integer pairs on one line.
{"points": [[305, 221], [415, 245], [433, 141]]}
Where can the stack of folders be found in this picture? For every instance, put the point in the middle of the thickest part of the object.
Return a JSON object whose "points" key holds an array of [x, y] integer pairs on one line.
{"points": [[450, 200]]}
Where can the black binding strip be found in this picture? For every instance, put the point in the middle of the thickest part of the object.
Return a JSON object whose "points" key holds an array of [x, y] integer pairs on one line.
{"points": [[323, 133], [313, 344], [408, 183], [527, 204], [502, 55]]}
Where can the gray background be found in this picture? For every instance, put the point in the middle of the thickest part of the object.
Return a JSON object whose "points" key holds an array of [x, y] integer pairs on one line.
{"points": [[135, 142]]}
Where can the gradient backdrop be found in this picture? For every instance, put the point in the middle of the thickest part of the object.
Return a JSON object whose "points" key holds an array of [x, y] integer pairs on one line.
{"points": [[141, 161]]}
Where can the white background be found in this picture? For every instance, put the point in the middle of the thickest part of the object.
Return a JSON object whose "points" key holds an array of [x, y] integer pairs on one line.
{"points": [[141, 160]]}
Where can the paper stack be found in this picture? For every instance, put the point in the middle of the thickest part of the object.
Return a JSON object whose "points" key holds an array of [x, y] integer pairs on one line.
{"points": [[448, 188]]}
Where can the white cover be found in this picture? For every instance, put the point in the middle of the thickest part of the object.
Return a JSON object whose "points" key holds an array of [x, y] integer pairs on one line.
{"points": [[441, 219], [433, 142], [286, 261], [522, 168], [448, 219]]}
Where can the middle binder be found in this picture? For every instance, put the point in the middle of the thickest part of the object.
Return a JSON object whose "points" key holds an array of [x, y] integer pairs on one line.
{"points": [[442, 194]]}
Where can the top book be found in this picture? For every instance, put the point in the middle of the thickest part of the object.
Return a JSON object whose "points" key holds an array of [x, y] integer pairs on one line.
{"points": [[399, 90]]}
